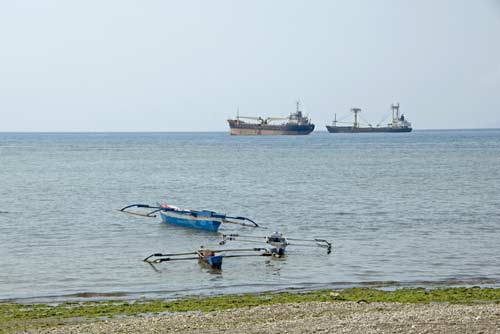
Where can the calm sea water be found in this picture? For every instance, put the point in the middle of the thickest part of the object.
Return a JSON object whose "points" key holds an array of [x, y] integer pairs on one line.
{"points": [[416, 209]]}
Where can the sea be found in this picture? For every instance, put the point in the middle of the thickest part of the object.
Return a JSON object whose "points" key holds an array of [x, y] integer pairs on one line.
{"points": [[418, 209]]}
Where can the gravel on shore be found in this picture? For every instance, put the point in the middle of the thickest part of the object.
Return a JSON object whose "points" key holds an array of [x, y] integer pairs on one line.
{"points": [[310, 317]]}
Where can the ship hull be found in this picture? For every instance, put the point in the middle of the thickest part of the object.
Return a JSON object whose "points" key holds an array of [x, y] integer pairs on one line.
{"points": [[350, 129], [246, 129]]}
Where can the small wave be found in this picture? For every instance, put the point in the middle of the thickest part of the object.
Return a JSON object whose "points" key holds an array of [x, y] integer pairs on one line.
{"points": [[97, 294], [4, 212], [379, 213], [382, 284], [460, 282], [448, 282], [343, 213]]}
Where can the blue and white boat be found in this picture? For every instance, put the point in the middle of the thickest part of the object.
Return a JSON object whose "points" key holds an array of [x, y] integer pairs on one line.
{"points": [[211, 258], [276, 248], [198, 219]]}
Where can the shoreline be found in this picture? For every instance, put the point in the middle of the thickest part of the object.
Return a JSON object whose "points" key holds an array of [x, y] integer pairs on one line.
{"points": [[126, 296], [246, 312]]}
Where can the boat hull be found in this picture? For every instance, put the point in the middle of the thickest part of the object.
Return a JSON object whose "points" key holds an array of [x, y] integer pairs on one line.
{"points": [[246, 129], [191, 220], [215, 262], [350, 129]]}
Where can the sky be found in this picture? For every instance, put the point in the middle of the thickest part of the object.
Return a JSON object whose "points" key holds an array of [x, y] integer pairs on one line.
{"points": [[160, 65]]}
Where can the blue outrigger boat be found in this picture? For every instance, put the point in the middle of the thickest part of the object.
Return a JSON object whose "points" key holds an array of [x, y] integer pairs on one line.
{"points": [[276, 247], [203, 219], [209, 257]]}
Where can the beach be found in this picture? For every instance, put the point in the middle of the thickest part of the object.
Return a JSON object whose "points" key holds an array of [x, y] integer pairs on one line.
{"points": [[443, 310], [309, 317]]}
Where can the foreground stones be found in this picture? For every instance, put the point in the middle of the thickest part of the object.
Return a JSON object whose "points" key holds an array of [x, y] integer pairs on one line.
{"points": [[310, 317]]}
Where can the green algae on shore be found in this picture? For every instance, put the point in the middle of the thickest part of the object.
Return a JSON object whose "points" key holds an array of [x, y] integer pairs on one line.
{"points": [[19, 316]]}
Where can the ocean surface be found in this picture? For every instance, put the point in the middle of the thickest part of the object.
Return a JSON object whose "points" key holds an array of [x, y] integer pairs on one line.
{"points": [[416, 209]]}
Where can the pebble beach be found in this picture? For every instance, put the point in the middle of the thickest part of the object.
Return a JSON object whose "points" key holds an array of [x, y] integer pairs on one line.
{"points": [[308, 317]]}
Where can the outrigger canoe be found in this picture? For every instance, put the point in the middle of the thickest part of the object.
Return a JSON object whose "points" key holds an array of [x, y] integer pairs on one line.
{"points": [[276, 242], [198, 219], [209, 257]]}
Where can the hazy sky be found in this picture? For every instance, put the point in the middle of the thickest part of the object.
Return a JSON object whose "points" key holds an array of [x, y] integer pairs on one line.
{"points": [[186, 65]]}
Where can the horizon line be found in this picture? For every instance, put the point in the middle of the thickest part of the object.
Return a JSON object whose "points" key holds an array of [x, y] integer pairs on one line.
{"points": [[215, 131]]}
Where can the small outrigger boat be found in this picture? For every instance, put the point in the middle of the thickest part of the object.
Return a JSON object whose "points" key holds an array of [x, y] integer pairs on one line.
{"points": [[203, 219], [209, 257], [213, 258]]}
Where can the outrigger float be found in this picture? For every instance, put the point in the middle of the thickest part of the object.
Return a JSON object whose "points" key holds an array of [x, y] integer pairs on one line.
{"points": [[213, 257], [203, 220]]}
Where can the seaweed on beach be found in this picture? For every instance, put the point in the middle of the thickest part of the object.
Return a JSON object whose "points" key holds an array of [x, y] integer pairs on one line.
{"points": [[15, 317]]}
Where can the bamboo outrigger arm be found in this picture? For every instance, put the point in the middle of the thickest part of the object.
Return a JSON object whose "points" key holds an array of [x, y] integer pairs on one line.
{"points": [[325, 244], [254, 224], [166, 255], [249, 238], [160, 257], [319, 242], [145, 206]]}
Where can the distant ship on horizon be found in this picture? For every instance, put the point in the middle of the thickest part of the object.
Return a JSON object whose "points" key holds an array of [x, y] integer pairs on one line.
{"points": [[398, 124], [296, 124]]}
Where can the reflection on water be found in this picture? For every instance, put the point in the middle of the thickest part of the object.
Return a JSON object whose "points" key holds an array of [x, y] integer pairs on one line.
{"points": [[273, 265]]}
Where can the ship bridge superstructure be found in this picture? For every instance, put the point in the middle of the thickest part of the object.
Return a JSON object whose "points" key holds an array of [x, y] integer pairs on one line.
{"points": [[297, 117], [398, 121]]}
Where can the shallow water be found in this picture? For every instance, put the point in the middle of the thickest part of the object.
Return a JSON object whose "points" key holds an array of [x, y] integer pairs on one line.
{"points": [[402, 209]]}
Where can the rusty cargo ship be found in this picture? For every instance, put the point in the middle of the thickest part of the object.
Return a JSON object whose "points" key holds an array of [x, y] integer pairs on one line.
{"points": [[295, 124]]}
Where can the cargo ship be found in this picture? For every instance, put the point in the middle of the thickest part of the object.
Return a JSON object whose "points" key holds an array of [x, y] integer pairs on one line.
{"points": [[398, 124], [295, 124]]}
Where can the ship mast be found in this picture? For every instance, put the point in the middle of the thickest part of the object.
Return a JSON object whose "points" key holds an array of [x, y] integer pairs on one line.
{"points": [[298, 114], [395, 113], [356, 111]]}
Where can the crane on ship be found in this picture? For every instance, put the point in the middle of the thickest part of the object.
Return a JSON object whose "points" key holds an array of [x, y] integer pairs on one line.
{"points": [[259, 119]]}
